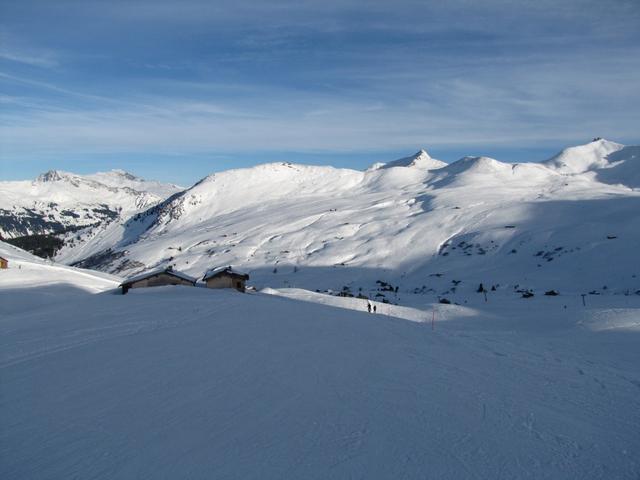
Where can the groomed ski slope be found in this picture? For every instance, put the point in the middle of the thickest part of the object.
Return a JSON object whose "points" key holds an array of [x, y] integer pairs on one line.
{"points": [[178, 382]]}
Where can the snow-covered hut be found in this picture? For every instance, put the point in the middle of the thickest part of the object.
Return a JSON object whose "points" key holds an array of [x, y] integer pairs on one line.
{"points": [[158, 278], [4, 263], [225, 277]]}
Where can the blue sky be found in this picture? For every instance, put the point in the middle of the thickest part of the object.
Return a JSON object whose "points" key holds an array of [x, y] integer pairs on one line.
{"points": [[175, 90]]}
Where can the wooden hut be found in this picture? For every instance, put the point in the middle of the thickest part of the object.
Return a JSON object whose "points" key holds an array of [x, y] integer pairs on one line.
{"points": [[158, 278], [225, 277], [4, 263]]}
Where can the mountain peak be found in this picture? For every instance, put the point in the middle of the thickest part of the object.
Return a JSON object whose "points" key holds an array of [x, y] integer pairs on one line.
{"points": [[477, 164], [124, 174], [421, 159], [421, 154], [582, 158], [600, 140], [52, 176]]}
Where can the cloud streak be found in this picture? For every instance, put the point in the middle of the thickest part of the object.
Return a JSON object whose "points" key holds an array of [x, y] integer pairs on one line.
{"points": [[198, 77]]}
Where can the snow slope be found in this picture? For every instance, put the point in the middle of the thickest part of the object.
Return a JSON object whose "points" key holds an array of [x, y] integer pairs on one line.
{"points": [[181, 382], [434, 231], [583, 158], [624, 168], [31, 281]]}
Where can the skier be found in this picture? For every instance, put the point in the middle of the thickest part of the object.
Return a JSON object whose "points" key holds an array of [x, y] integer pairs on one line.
{"points": [[374, 309], [368, 307]]}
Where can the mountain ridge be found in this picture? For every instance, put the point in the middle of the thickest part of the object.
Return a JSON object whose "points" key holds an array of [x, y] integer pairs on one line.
{"points": [[474, 220]]}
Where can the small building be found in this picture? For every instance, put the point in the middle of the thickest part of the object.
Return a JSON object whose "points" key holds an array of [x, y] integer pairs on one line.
{"points": [[225, 277], [158, 278], [4, 263]]}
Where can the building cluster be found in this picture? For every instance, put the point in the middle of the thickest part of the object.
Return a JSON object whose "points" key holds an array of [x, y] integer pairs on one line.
{"points": [[221, 277]]}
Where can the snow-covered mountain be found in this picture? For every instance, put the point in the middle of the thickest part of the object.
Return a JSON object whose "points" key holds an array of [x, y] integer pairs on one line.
{"points": [[583, 158], [569, 224], [59, 201]]}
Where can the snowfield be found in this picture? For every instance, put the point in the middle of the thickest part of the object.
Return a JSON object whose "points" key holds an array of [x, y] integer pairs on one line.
{"points": [[179, 382], [32, 281]]}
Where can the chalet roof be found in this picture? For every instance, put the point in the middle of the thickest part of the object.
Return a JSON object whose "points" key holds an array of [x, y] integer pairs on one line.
{"points": [[153, 273], [5, 259], [214, 272]]}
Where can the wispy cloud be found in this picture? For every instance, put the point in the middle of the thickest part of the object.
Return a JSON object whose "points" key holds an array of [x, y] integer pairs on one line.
{"points": [[198, 76], [14, 50], [471, 114], [45, 61]]}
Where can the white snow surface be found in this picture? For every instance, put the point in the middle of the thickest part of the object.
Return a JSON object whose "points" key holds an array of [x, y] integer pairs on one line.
{"points": [[215, 271], [169, 271], [187, 382], [31, 281], [582, 158]]}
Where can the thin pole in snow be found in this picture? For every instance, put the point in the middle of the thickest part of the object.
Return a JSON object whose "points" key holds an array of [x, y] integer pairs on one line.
{"points": [[584, 304]]}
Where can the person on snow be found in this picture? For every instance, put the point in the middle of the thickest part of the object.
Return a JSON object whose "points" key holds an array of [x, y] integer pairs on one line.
{"points": [[368, 307]]}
